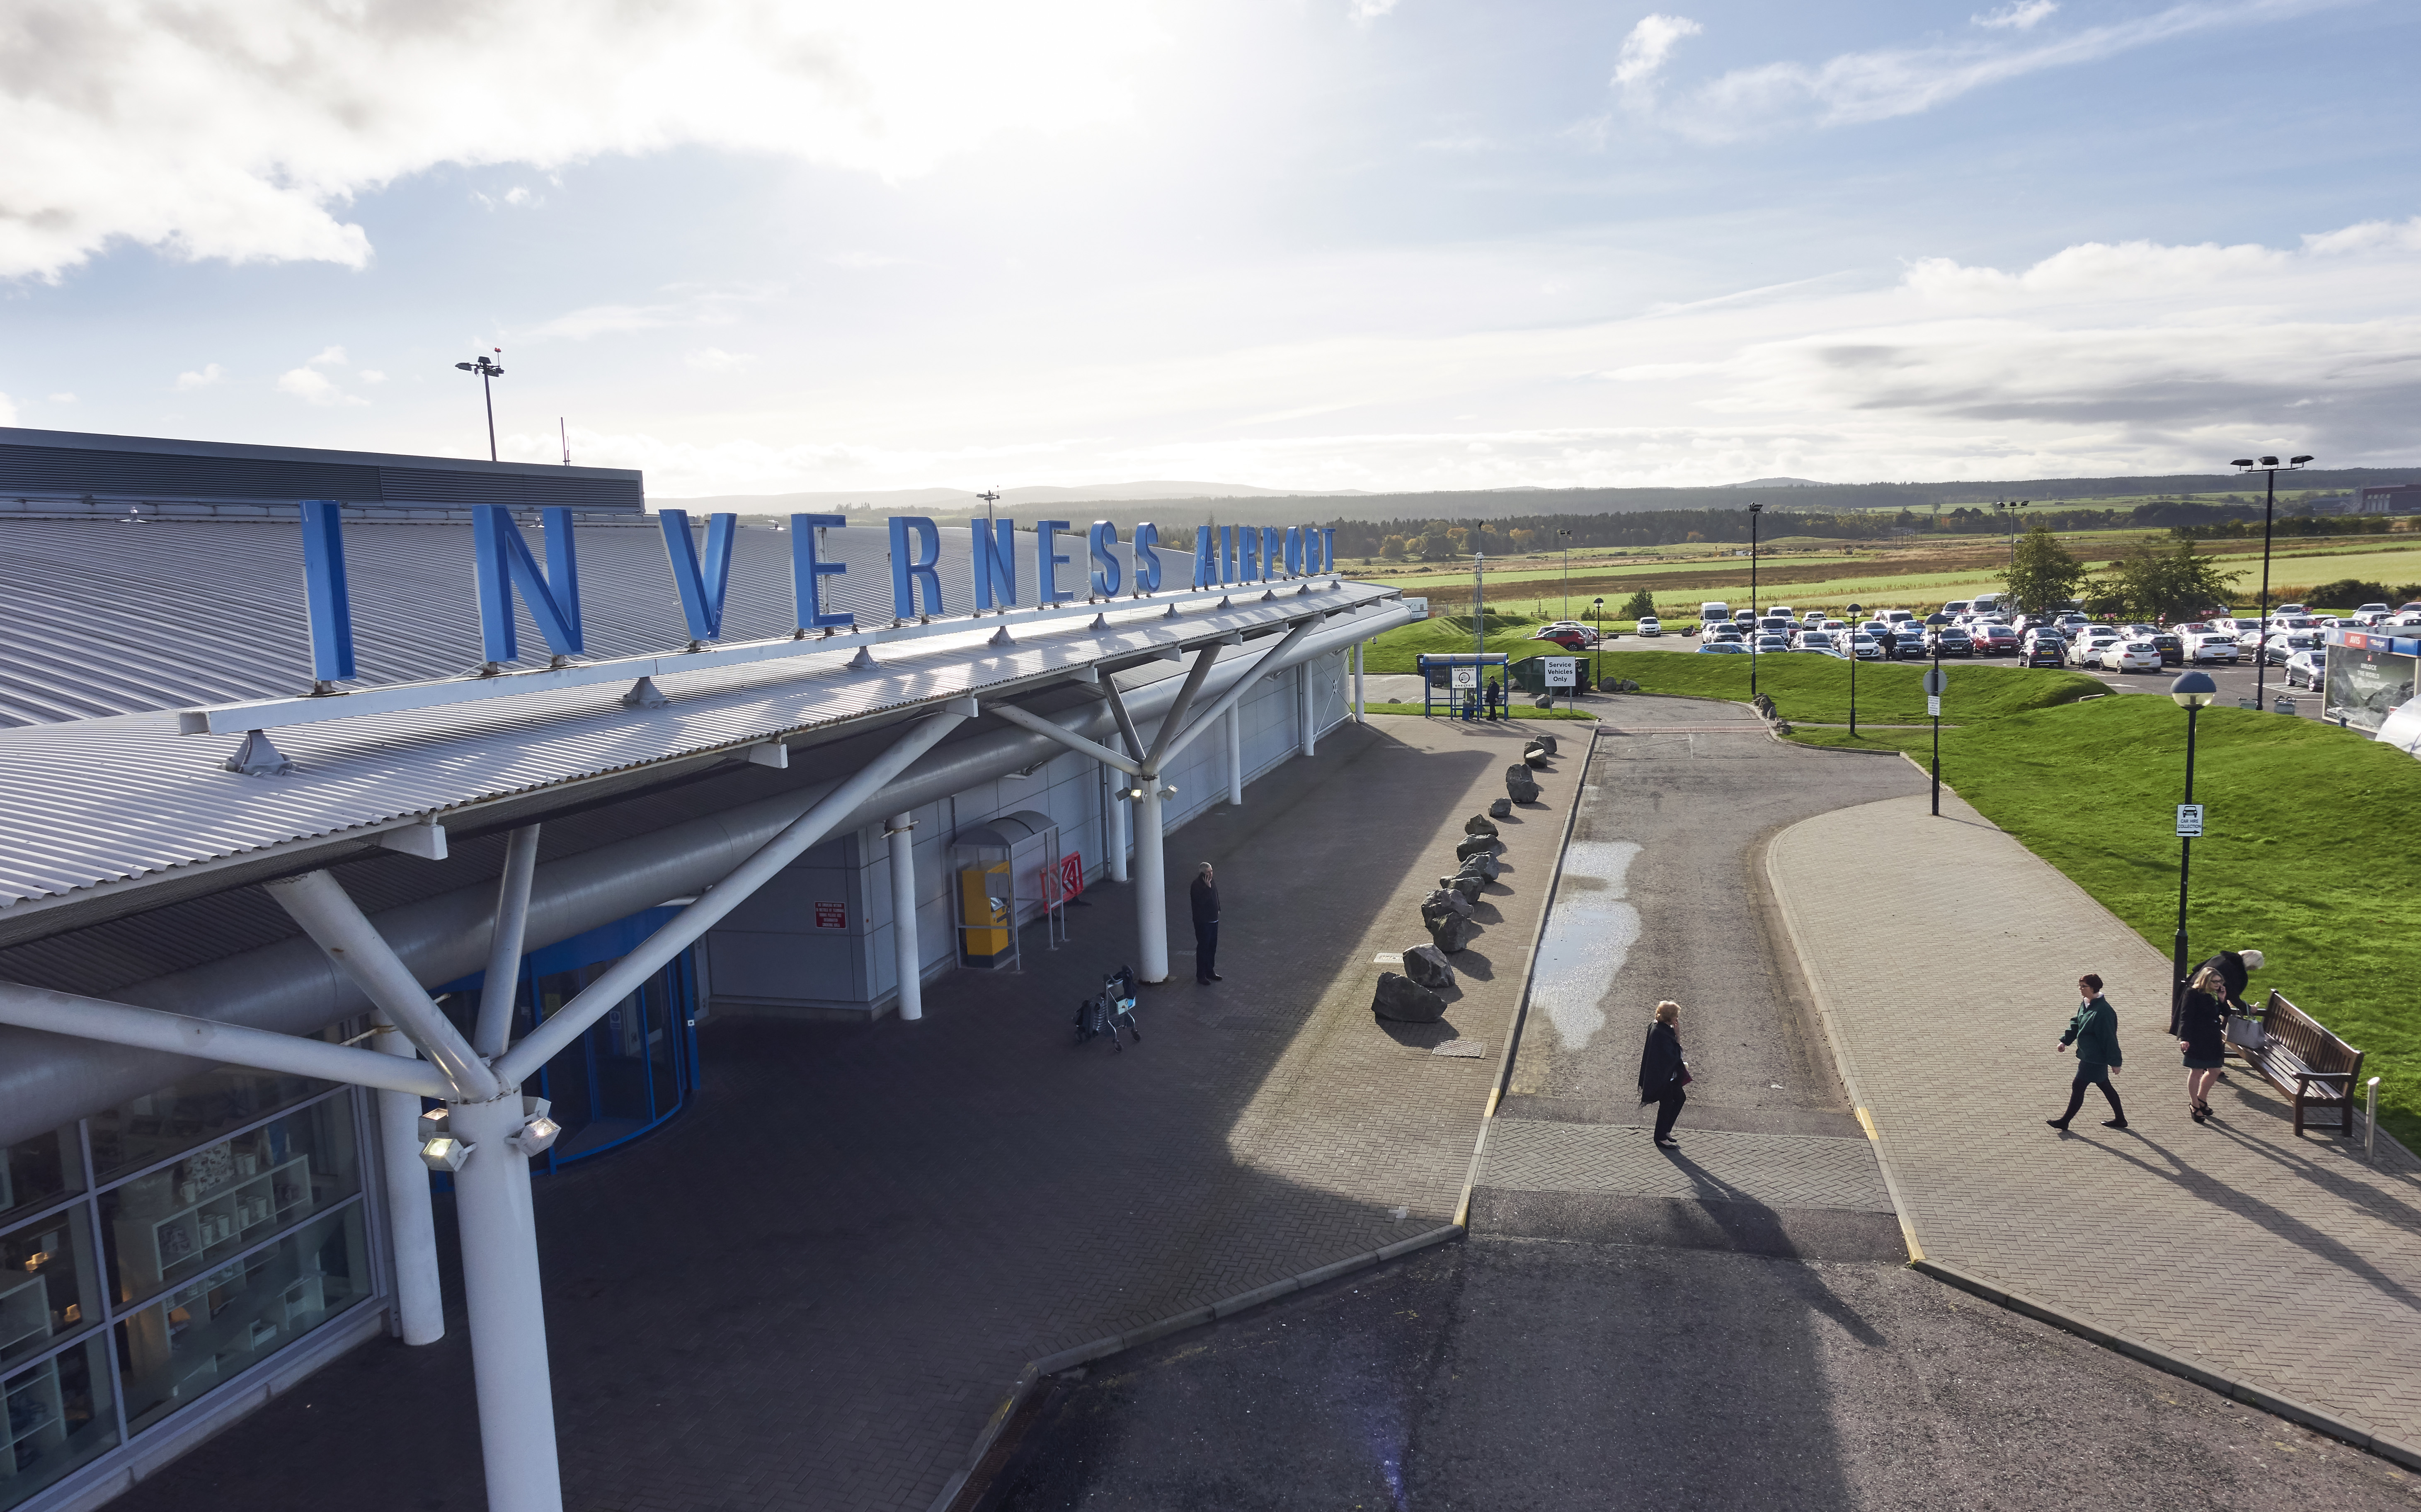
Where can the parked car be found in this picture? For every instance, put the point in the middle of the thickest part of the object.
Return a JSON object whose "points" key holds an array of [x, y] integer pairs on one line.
{"points": [[1949, 640], [2307, 669], [1780, 610], [1958, 606], [1713, 612], [1651, 626], [2290, 609], [2131, 656], [2085, 649], [1820, 649], [1909, 642], [2371, 614], [1813, 616], [2043, 647], [2172, 650], [2283, 643], [1570, 640], [1729, 636], [2211, 646], [1724, 646], [1864, 647], [1992, 638]]}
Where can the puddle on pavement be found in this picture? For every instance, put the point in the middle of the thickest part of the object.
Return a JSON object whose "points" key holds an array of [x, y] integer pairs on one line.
{"points": [[1589, 934]]}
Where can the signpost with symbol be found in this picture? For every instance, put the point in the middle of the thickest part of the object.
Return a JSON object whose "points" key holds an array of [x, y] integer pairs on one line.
{"points": [[1936, 681], [2189, 821]]}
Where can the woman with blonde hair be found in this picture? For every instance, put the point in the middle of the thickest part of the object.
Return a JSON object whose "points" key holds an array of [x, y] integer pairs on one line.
{"points": [[1662, 1072], [2202, 1025]]}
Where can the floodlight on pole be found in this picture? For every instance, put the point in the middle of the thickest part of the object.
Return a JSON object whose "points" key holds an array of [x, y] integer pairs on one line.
{"points": [[487, 371], [2272, 467], [1754, 510]]}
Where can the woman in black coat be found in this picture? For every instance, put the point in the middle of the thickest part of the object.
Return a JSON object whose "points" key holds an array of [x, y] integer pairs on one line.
{"points": [[1661, 1071], [2202, 1025]]}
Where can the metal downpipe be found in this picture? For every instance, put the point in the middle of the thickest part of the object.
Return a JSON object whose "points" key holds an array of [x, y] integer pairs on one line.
{"points": [[495, 1029], [419, 1306], [906, 956]]}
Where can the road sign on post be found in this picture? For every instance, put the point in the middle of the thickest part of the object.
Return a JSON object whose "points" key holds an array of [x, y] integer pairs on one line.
{"points": [[1937, 683], [1465, 676], [1561, 670], [2189, 821]]}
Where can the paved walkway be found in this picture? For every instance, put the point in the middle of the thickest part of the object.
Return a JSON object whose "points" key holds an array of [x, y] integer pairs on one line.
{"points": [[811, 1290], [1947, 955]]}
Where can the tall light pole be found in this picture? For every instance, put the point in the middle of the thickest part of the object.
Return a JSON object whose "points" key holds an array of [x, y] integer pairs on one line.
{"points": [[1754, 510], [2272, 466], [1568, 571], [1597, 646], [2194, 692], [487, 371], [1855, 610], [2011, 506], [1478, 592]]}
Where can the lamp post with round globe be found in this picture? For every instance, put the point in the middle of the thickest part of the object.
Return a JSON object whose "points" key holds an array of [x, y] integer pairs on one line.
{"points": [[2193, 692], [1850, 640], [1597, 646]]}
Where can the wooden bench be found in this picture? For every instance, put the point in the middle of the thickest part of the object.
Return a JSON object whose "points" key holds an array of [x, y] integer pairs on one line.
{"points": [[2307, 1063]]}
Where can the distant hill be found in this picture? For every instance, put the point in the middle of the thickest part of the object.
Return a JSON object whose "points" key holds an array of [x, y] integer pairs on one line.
{"points": [[1779, 483], [962, 501]]}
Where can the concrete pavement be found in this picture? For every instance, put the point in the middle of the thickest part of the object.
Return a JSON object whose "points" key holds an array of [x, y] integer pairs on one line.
{"points": [[1946, 955]]}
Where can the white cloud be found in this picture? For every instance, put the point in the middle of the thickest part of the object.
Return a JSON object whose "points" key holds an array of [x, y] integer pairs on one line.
{"points": [[716, 360], [210, 374], [2017, 15], [240, 129], [688, 306], [372, 375], [1369, 10], [313, 386], [63, 399], [862, 260], [329, 357], [2096, 269], [1855, 88], [1648, 46]]}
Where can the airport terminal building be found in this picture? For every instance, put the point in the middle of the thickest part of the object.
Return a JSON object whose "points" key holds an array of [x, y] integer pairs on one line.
{"points": [[343, 789]]}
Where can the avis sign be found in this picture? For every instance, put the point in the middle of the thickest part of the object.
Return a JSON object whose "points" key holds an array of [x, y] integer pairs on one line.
{"points": [[504, 569]]}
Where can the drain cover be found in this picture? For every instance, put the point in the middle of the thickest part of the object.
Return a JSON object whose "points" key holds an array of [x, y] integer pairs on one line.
{"points": [[1462, 1049]]}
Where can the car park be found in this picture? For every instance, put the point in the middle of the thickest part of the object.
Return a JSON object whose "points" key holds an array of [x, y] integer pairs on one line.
{"points": [[2131, 656], [1650, 626], [2307, 669], [1992, 638]]}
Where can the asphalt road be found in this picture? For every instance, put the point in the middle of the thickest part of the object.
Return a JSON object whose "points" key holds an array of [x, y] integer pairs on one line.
{"points": [[1583, 1353]]}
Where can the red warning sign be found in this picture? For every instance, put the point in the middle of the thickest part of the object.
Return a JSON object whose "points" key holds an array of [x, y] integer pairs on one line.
{"points": [[1071, 874], [832, 916]]}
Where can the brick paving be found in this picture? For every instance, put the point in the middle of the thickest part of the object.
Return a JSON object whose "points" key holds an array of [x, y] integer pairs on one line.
{"points": [[2291, 1263], [812, 1289], [1772, 1170]]}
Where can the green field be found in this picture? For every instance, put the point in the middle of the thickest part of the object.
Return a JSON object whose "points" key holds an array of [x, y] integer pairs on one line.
{"points": [[2304, 856], [1816, 689]]}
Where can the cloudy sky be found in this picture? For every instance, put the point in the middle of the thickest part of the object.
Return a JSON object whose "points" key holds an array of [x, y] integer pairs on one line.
{"points": [[754, 246]]}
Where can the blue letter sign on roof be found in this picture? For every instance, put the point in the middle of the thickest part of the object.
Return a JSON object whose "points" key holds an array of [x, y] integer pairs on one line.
{"points": [[325, 594], [1206, 556], [807, 573], [995, 564], [1046, 565], [701, 586], [504, 564], [907, 571], [1105, 574], [1147, 561]]}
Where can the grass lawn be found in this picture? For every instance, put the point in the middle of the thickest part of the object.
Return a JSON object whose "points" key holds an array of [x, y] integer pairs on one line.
{"points": [[1517, 710], [1816, 688], [2301, 857]]}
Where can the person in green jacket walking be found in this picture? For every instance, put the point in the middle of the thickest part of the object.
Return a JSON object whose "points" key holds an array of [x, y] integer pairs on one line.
{"points": [[2094, 1031]]}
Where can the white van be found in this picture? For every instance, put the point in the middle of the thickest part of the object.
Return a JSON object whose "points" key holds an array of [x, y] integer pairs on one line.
{"points": [[1713, 612], [1985, 603], [1958, 606], [1894, 618]]}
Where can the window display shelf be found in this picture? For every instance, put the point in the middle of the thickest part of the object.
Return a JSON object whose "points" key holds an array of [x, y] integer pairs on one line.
{"points": [[213, 1224], [36, 1421], [24, 1314]]}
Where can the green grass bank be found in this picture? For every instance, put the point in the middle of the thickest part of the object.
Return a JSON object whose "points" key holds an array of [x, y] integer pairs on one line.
{"points": [[2302, 856]]}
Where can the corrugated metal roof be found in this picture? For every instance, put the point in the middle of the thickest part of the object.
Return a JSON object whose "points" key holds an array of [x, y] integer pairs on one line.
{"points": [[110, 799], [106, 617]]}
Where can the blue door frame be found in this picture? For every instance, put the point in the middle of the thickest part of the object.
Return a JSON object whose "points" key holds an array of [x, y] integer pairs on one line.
{"points": [[575, 1078]]}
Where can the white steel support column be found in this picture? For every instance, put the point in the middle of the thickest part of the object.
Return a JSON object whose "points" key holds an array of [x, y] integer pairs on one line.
{"points": [[904, 951], [1358, 711], [1305, 720], [1151, 886], [1117, 845], [419, 1307], [507, 1309], [1236, 756], [493, 1029]]}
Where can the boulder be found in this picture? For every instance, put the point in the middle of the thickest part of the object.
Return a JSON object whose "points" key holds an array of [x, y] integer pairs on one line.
{"points": [[1476, 825], [1534, 756], [1478, 845], [1406, 1001], [1425, 965], [1467, 882], [1454, 932], [1439, 904], [1546, 741], [1501, 809], [1520, 786], [1487, 868]]}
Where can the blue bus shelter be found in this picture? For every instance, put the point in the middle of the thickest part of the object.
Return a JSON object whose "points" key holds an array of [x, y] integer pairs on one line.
{"points": [[1462, 681]]}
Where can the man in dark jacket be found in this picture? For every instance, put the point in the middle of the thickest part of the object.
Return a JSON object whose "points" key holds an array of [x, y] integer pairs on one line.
{"points": [[2234, 967], [1206, 926], [2094, 1031]]}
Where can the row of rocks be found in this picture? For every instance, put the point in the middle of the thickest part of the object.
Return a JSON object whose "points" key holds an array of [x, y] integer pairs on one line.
{"points": [[1412, 997]]}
